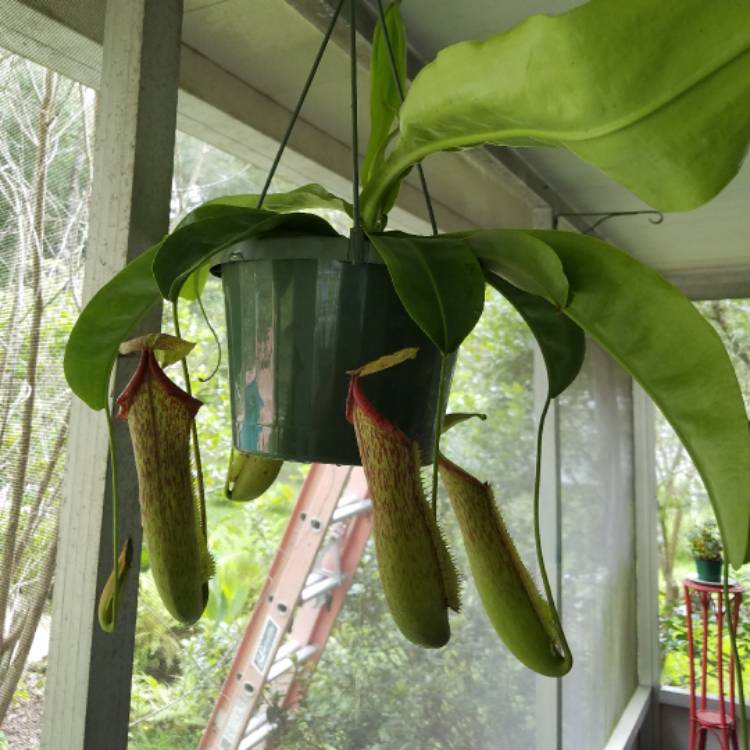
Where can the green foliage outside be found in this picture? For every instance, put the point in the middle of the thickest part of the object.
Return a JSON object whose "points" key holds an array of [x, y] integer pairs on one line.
{"points": [[46, 126], [705, 543], [682, 505]]}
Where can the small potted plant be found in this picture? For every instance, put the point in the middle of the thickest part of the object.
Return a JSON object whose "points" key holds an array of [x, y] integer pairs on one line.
{"points": [[705, 546]]}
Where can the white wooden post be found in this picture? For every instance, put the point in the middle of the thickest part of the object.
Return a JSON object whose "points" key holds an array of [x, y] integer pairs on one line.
{"points": [[549, 690], [87, 697], [647, 561]]}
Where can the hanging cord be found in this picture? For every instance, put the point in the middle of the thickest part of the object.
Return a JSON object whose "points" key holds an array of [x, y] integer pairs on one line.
{"points": [[402, 95], [216, 339], [300, 102], [355, 129], [563, 644], [115, 516], [194, 430]]}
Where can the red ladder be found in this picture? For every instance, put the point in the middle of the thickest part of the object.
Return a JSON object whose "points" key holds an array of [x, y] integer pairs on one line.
{"points": [[289, 626]]}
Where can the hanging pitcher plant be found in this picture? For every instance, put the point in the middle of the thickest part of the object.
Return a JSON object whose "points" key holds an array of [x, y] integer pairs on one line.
{"points": [[672, 127]]}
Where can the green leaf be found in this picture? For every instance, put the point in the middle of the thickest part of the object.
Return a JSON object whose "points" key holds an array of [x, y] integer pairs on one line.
{"points": [[667, 116], [196, 283], [561, 341], [305, 198], [190, 247], [520, 259], [439, 282], [659, 337], [385, 97], [104, 323], [528, 273]]}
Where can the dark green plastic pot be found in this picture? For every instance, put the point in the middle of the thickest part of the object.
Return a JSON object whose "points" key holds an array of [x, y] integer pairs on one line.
{"points": [[709, 570], [299, 315]]}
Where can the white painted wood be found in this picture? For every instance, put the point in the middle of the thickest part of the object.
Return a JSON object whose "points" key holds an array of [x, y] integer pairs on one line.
{"points": [[88, 685], [627, 730], [647, 559], [713, 282], [548, 689]]}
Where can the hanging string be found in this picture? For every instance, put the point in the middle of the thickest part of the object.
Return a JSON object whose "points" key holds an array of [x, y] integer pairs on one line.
{"points": [[300, 102], [355, 129], [556, 621], [193, 429], [402, 94]]}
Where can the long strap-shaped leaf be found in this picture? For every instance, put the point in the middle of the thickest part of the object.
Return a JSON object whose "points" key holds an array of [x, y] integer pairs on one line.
{"points": [[659, 337], [530, 276], [385, 88], [561, 341], [440, 284], [303, 198], [104, 324], [666, 116]]}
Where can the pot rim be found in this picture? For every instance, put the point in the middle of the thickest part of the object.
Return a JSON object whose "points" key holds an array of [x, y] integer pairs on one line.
{"points": [[294, 247]]}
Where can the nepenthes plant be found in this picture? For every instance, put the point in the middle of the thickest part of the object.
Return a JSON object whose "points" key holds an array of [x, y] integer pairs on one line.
{"points": [[667, 118]]}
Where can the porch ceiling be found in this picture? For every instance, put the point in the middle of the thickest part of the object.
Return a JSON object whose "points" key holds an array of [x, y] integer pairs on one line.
{"points": [[270, 43]]}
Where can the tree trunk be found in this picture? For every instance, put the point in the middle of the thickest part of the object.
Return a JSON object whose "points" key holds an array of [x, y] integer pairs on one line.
{"points": [[12, 675], [18, 482]]}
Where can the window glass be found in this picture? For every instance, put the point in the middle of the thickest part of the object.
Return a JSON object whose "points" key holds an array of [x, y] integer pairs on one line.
{"points": [[598, 550], [46, 133], [683, 505]]}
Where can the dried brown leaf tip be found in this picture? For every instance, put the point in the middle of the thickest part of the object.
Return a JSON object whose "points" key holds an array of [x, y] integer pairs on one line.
{"points": [[160, 417], [418, 575]]}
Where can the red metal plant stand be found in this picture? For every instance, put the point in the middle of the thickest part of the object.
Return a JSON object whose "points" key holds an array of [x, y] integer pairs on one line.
{"points": [[723, 721]]}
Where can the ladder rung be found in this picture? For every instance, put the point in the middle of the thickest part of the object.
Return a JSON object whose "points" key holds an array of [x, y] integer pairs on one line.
{"points": [[346, 499], [256, 721], [256, 737], [325, 583], [351, 509], [284, 665], [288, 648], [314, 577]]}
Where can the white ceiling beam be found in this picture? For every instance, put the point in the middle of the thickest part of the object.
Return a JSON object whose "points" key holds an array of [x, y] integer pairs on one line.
{"points": [[87, 697]]}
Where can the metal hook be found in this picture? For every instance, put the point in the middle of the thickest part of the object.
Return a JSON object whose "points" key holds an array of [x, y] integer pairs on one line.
{"points": [[656, 217]]}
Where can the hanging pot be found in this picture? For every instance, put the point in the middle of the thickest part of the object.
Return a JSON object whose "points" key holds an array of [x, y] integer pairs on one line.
{"points": [[300, 314]]}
